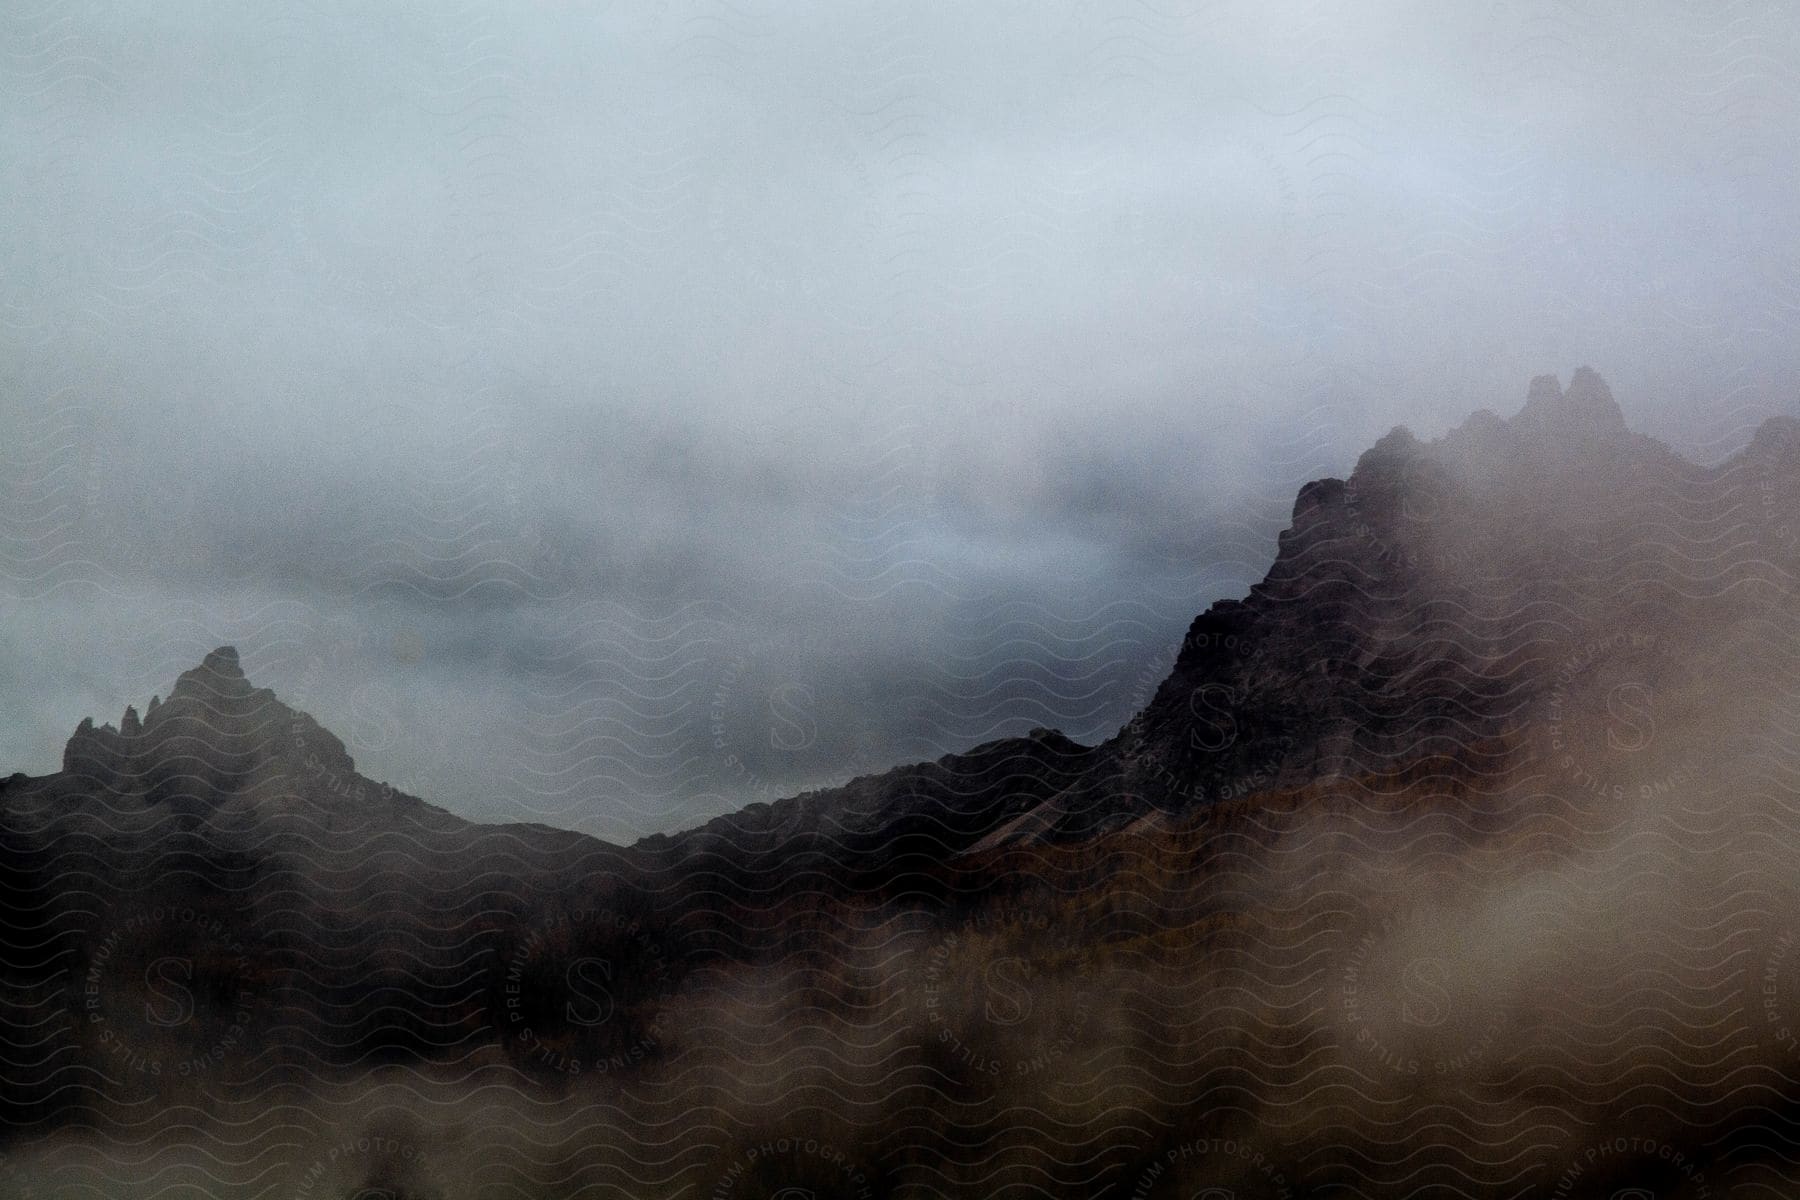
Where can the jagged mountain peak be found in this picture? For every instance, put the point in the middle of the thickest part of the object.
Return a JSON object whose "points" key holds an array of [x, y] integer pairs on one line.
{"points": [[1556, 426], [223, 660], [216, 733], [220, 674], [1544, 391], [1423, 533], [1408, 499], [1585, 410], [1561, 506]]}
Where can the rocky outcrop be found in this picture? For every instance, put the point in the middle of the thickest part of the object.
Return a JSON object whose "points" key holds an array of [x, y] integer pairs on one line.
{"points": [[234, 766], [1418, 608], [217, 736], [1419, 668], [1415, 609]]}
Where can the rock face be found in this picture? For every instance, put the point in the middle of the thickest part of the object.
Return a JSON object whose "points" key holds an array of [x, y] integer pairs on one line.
{"points": [[1524, 620], [1416, 609], [216, 738], [223, 769], [247, 824], [1586, 412], [1420, 609]]}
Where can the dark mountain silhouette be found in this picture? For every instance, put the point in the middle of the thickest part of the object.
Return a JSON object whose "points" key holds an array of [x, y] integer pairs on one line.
{"points": [[1504, 653], [1413, 611], [221, 757], [1353, 654]]}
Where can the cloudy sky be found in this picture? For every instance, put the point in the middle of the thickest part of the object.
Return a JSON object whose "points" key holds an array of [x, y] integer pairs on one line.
{"points": [[612, 413]]}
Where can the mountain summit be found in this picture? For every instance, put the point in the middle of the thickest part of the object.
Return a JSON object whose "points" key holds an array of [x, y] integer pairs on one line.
{"points": [[1586, 410], [224, 765], [1387, 629], [1419, 608], [217, 737], [1367, 853], [1418, 612], [1380, 634]]}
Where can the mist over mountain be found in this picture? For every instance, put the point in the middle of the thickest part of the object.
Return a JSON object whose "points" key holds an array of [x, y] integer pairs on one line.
{"points": [[930, 369], [1456, 855]]}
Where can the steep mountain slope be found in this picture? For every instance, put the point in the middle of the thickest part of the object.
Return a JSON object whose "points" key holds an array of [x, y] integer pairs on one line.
{"points": [[1428, 606], [231, 834], [1418, 608], [1475, 817], [228, 765]]}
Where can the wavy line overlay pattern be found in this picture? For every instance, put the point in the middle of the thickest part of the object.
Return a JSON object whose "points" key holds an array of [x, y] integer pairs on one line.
{"points": [[1452, 858], [1448, 854]]}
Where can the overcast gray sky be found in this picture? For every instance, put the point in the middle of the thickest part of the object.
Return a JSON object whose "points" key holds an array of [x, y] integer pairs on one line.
{"points": [[612, 413]]}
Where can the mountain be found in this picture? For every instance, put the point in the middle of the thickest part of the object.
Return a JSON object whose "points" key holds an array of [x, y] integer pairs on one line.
{"points": [[246, 825], [224, 781], [1388, 628], [1459, 845], [1421, 607], [1418, 610]]}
